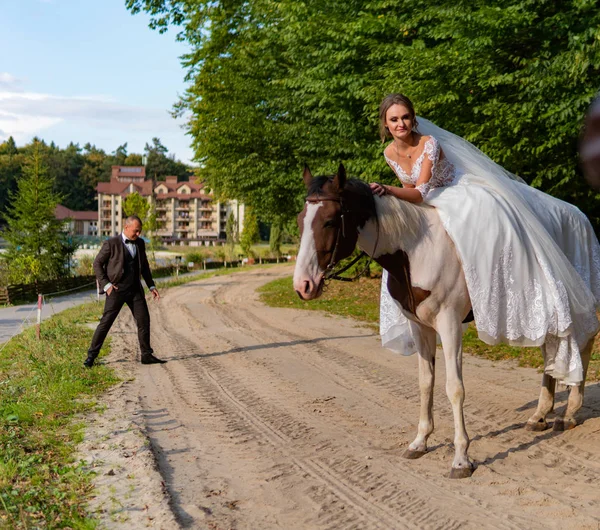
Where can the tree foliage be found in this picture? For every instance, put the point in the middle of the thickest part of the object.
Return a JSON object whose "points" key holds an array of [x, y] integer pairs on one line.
{"points": [[276, 237], [230, 233], [135, 204], [38, 248], [276, 83], [250, 233]]}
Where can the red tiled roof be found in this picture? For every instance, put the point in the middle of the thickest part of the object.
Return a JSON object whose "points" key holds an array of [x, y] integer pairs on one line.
{"points": [[180, 196], [62, 212], [173, 186], [121, 188]]}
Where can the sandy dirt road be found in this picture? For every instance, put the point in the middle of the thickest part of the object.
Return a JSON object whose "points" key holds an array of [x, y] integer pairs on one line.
{"points": [[271, 418]]}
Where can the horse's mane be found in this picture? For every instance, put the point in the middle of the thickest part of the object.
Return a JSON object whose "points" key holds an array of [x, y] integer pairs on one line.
{"points": [[395, 215], [354, 187], [401, 220]]}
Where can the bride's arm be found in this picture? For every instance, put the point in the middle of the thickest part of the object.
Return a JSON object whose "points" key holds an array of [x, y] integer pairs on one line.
{"points": [[407, 193]]}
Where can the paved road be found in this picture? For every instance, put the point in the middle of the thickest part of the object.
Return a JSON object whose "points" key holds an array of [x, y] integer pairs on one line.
{"points": [[14, 319]]}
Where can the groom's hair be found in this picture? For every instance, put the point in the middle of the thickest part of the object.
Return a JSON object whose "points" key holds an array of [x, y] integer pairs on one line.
{"points": [[131, 219]]}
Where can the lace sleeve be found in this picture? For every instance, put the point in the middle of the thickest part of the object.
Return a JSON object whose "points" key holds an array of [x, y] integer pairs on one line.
{"points": [[423, 189], [432, 149]]}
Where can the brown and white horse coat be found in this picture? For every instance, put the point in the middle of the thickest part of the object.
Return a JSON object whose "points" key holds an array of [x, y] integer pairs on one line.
{"points": [[424, 276]]}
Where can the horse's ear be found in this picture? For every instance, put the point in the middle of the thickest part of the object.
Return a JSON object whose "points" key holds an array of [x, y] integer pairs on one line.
{"points": [[307, 176], [339, 180]]}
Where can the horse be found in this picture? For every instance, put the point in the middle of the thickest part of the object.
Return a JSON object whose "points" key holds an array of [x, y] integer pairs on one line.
{"points": [[425, 277]]}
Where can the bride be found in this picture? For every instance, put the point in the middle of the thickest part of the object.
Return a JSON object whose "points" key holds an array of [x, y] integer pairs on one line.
{"points": [[531, 261]]}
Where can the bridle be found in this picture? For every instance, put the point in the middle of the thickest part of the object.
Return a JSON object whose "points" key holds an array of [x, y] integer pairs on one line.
{"points": [[330, 272]]}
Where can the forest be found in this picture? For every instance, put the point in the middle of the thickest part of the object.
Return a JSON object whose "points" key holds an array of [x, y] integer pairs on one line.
{"points": [[76, 171]]}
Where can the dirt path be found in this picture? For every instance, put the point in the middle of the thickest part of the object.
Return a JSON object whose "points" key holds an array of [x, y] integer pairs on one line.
{"points": [[272, 418]]}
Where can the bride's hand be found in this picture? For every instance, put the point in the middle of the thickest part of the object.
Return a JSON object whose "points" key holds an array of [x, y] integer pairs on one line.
{"points": [[378, 189]]}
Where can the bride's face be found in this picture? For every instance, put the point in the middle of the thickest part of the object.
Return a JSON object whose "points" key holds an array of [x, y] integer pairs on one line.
{"points": [[399, 122]]}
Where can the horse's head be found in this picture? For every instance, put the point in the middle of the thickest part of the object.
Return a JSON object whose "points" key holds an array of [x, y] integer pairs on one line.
{"points": [[334, 211]]}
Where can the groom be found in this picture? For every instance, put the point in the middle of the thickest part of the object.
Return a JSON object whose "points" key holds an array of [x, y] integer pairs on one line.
{"points": [[118, 266]]}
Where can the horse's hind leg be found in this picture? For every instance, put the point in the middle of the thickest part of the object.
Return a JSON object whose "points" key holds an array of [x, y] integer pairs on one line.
{"points": [[538, 422], [426, 355], [575, 401]]}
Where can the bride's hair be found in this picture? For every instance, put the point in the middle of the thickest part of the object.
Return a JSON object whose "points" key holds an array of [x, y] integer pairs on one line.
{"points": [[388, 101]]}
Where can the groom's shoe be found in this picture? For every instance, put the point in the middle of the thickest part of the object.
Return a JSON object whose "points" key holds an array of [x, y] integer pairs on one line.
{"points": [[148, 358], [89, 362]]}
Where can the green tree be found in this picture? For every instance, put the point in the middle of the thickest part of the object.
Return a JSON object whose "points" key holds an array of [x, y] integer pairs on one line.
{"points": [[38, 248], [160, 163], [135, 204], [276, 238], [274, 84], [250, 234], [134, 159], [230, 233], [11, 162]]}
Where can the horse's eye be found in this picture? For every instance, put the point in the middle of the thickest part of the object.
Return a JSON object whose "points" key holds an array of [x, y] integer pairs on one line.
{"points": [[330, 224]]}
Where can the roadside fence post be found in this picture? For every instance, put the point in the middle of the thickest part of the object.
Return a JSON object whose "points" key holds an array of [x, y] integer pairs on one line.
{"points": [[39, 315]]}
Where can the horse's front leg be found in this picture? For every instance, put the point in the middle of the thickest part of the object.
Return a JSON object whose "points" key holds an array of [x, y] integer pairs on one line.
{"points": [[426, 356], [450, 330]]}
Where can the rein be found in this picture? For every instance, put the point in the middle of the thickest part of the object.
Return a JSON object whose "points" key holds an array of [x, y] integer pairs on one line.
{"points": [[330, 272]]}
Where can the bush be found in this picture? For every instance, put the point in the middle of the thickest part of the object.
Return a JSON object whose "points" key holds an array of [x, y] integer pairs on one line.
{"points": [[220, 254], [84, 266], [196, 257]]}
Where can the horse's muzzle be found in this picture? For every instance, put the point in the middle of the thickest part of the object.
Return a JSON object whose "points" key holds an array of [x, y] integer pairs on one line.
{"points": [[308, 289]]}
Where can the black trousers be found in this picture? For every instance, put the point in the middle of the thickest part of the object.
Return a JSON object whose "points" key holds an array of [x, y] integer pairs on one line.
{"points": [[136, 301]]}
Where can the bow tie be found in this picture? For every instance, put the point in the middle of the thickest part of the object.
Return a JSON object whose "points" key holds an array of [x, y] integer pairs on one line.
{"points": [[130, 242]]}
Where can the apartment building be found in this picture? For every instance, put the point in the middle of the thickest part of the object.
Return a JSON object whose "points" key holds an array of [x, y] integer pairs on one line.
{"points": [[186, 214]]}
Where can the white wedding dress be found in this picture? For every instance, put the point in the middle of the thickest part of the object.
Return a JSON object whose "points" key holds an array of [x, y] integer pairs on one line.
{"points": [[531, 261]]}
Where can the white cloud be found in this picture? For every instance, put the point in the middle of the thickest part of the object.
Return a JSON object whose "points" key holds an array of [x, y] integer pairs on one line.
{"points": [[23, 114], [10, 82], [99, 119]]}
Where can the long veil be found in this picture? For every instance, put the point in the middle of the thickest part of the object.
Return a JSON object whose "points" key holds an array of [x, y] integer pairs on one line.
{"points": [[471, 161], [574, 319], [462, 154]]}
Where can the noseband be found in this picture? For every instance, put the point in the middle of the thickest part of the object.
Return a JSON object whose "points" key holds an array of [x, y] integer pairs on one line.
{"points": [[330, 272]]}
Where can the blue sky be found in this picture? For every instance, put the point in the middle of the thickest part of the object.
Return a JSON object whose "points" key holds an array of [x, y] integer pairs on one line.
{"points": [[88, 71]]}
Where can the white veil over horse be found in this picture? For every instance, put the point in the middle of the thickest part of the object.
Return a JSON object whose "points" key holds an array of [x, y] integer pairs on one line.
{"points": [[532, 262]]}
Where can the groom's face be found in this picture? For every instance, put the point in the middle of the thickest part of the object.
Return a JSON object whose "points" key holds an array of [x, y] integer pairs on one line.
{"points": [[133, 230]]}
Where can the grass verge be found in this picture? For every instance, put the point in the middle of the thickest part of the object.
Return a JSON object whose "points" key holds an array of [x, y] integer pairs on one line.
{"points": [[43, 386], [360, 300], [43, 389]]}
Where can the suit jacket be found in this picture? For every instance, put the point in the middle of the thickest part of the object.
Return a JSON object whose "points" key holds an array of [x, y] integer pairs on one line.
{"points": [[109, 264]]}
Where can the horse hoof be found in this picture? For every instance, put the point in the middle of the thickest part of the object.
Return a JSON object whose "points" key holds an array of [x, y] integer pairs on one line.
{"points": [[563, 425], [461, 472], [541, 425], [413, 455]]}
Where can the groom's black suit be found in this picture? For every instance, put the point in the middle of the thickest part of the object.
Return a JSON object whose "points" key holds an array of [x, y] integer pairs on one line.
{"points": [[115, 264]]}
